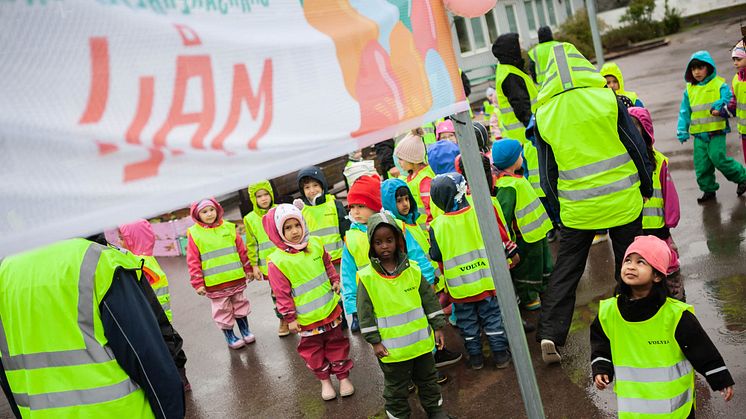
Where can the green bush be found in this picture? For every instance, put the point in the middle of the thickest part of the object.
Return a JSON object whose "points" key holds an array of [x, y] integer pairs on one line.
{"points": [[671, 19], [577, 31], [619, 38], [639, 11]]}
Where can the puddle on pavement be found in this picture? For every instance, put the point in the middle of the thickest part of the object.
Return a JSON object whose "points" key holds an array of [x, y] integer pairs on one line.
{"points": [[729, 294]]}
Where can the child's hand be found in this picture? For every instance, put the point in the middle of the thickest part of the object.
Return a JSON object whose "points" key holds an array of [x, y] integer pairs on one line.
{"points": [[294, 326], [440, 339], [257, 273], [336, 287], [715, 112], [727, 393], [514, 260], [602, 381], [201, 291], [380, 350]]}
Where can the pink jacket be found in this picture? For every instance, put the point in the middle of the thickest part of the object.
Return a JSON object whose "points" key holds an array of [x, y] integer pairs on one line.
{"points": [[194, 261], [281, 284], [671, 207], [732, 104]]}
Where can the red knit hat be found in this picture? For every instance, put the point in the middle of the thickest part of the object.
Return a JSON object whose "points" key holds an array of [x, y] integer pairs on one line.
{"points": [[366, 191]]}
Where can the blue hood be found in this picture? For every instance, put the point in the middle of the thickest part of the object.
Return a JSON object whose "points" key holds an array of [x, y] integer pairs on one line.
{"points": [[388, 199], [706, 58]]}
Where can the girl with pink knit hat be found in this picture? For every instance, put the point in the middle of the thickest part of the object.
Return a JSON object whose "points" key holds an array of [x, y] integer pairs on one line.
{"points": [[650, 343], [306, 286]]}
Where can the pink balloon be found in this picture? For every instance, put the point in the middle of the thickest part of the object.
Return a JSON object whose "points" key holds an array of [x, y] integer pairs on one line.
{"points": [[469, 8]]}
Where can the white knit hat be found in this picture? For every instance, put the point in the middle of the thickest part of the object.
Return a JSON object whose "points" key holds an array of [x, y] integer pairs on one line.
{"points": [[411, 149]]}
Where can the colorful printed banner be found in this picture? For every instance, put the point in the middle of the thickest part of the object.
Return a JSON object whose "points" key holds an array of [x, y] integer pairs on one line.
{"points": [[117, 109]]}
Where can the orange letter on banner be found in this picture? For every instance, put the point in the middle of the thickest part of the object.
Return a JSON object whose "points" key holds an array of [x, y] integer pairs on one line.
{"points": [[242, 92], [186, 68], [144, 108], [145, 168], [99, 92]]}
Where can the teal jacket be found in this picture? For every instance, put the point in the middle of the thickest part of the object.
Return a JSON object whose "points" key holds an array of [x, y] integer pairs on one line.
{"points": [[685, 110]]}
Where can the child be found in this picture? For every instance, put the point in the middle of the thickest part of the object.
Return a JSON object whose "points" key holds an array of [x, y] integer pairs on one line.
{"points": [[739, 91], [307, 285], [653, 344], [357, 167], [397, 308], [411, 155], [456, 241], [219, 268], [661, 212], [258, 245], [441, 156], [527, 222], [702, 115], [615, 82], [446, 131]]}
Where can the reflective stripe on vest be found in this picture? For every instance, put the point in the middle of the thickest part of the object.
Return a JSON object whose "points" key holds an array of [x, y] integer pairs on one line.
{"points": [[414, 187], [400, 318], [310, 287], [739, 91], [566, 69], [465, 262], [532, 219], [217, 247], [510, 126], [701, 100], [651, 379], [531, 154], [264, 246], [653, 213], [323, 222], [536, 56], [160, 286], [86, 382]]}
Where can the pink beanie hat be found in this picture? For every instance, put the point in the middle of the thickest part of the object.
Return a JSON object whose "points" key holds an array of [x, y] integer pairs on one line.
{"points": [[739, 51], [654, 250], [205, 203], [411, 149], [285, 212], [445, 126]]}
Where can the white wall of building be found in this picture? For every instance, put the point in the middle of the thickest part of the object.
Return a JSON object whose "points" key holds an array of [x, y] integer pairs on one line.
{"points": [[686, 7]]}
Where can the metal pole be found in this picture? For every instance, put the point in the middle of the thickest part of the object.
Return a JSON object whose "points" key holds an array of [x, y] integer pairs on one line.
{"points": [[498, 266], [591, 7]]}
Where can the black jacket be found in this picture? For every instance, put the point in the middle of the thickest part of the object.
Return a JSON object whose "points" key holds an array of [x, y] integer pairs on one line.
{"points": [[385, 157], [507, 50]]}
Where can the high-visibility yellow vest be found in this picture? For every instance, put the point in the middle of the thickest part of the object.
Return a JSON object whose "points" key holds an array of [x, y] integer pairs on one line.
{"points": [[566, 69], [536, 56], [160, 286], [489, 110], [530, 215], [739, 90], [467, 271], [531, 154], [701, 100], [430, 136], [56, 358], [400, 318], [264, 246], [510, 126], [414, 187], [217, 250], [653, 377], [312, 292], [423, 240], [358, 246], [653, 213], [323, 221]]}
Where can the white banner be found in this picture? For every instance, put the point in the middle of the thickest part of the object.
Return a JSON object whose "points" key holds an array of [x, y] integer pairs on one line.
{"points": [[117, 109]]}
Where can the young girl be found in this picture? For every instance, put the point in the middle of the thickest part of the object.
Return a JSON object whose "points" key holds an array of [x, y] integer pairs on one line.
{"points": [[219, 268], [411, 155], [653, 344], [306, 286]]}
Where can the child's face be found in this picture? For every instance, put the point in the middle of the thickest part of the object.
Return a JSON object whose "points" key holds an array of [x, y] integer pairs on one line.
{"points": [[402, 204], [699, 72], [292, 230], [360, 213], [312, 189], [612, 83], [384, 243], [739, 63], [637, 273], [208, 214], [263, 199], [408, 166], [448, 136]]}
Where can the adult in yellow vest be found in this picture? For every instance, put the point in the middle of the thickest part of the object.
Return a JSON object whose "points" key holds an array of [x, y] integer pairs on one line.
{"points": [[594, 169], [535, 67], [702, 114], [73, 358], [515, 91], [650, 344]]}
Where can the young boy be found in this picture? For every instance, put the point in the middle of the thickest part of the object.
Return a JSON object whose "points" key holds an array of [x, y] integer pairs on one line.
{"points": [[397, 308], [703, 115], [527, 222], [615, 81], [411, 155], [457, 242], [258, 245], [738, 103]]}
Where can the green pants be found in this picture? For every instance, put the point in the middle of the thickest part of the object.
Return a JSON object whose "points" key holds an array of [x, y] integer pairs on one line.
{"points": [[396, 379], [531, 275], [711, 155]]}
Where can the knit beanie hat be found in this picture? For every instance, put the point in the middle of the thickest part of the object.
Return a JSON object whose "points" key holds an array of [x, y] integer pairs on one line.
{"points": [[445, 126], [204, 204], [505, 152], [654, 250], [366, 191], [739, 51], [411, 149], [284, 212]]}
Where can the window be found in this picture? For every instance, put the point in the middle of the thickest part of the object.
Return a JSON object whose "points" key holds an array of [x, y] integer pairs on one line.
{"points": [[491, 25], [510, 13], [478, 31], [568, 8], [529, 6], [463, 34], [550, 11], [540, 11]]}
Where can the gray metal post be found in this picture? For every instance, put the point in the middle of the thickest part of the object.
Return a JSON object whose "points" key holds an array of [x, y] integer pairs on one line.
{"points": [[498, 266], [597, 47]]}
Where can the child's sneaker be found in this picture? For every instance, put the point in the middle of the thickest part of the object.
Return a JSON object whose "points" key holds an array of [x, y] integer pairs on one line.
{"points": [[243, 327], [549, 352], [707, 196], [444, 357], [533, 305], [283, 330], [233, 341], [327, 390], [502, 359], [355, 325], [741, 188], [440, 377], [598, 238], [346, 388], [476, 362]]}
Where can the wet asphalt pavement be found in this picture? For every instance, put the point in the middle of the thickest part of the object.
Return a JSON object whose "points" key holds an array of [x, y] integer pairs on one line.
{"points": [[269, 380]]}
